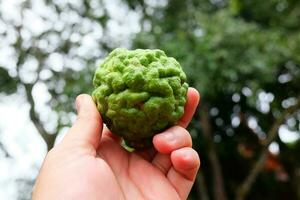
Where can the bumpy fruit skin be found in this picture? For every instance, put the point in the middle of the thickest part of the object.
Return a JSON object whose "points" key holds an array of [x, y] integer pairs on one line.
{"points": [[139, 93]]}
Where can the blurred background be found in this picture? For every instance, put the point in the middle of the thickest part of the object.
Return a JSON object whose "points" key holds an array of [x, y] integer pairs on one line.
{"points": [[243, 56]]}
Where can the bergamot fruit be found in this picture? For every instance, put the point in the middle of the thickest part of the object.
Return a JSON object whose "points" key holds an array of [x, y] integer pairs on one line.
{"points": [[139, 93]]}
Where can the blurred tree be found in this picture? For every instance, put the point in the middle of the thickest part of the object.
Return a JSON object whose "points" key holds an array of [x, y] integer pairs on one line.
{"points": [[48, 53], [273, 13], [243, 56], [59, 56]]}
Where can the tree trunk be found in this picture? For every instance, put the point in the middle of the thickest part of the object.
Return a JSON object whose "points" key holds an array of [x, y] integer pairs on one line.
{"points": [[47, 137], [296, 182], [246, 185], [201, 187], [219, 190]]}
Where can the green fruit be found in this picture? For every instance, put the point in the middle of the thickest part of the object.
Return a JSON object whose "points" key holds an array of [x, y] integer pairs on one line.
{"points": [[139, 93]]}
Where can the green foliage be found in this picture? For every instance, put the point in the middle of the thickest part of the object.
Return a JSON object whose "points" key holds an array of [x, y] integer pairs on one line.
{"points": [[232, 52], [8, 85], [235, 54], [284, 13]]}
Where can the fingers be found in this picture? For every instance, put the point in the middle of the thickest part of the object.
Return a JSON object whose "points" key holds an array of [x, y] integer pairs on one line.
{"points": [[175, 137], [177, 159], [88, 126], [193, 99], [186, 162], [185, 165], [172, 139]]}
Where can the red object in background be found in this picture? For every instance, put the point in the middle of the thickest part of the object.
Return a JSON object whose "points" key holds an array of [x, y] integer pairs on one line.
{"points": [[272, 163]]}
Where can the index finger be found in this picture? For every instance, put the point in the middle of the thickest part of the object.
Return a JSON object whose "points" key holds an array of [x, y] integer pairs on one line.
{"points": [[193, 99]]}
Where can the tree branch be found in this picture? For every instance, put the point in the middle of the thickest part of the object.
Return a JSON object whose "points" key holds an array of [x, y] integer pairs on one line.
{"points": [[201, 187], [219, 190], [48, 138], [2, 148], [296, 181], [246, 185]]}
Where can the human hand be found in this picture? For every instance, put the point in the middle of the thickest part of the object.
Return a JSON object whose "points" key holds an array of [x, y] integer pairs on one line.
{"points": [[90, 165]]}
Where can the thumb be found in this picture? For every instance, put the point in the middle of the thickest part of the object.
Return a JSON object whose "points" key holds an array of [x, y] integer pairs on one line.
{"points": [[87, 128]]}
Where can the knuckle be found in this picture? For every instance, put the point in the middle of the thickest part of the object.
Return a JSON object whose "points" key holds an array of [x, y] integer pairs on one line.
{"points": [[184, 136], [181, 130]]}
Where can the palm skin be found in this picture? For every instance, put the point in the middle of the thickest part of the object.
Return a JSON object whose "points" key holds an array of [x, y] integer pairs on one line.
{"points": [[88, 165]]}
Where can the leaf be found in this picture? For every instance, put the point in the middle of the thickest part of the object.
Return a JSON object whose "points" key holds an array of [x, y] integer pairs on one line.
{"points": [[8, 84]]}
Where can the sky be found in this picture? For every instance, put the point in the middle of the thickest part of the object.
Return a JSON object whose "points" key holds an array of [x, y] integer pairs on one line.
{"points": [[21, 140], [17, 133]]}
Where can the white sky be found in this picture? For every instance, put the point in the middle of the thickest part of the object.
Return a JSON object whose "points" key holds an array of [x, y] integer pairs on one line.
{"points": [[21, 140]]}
